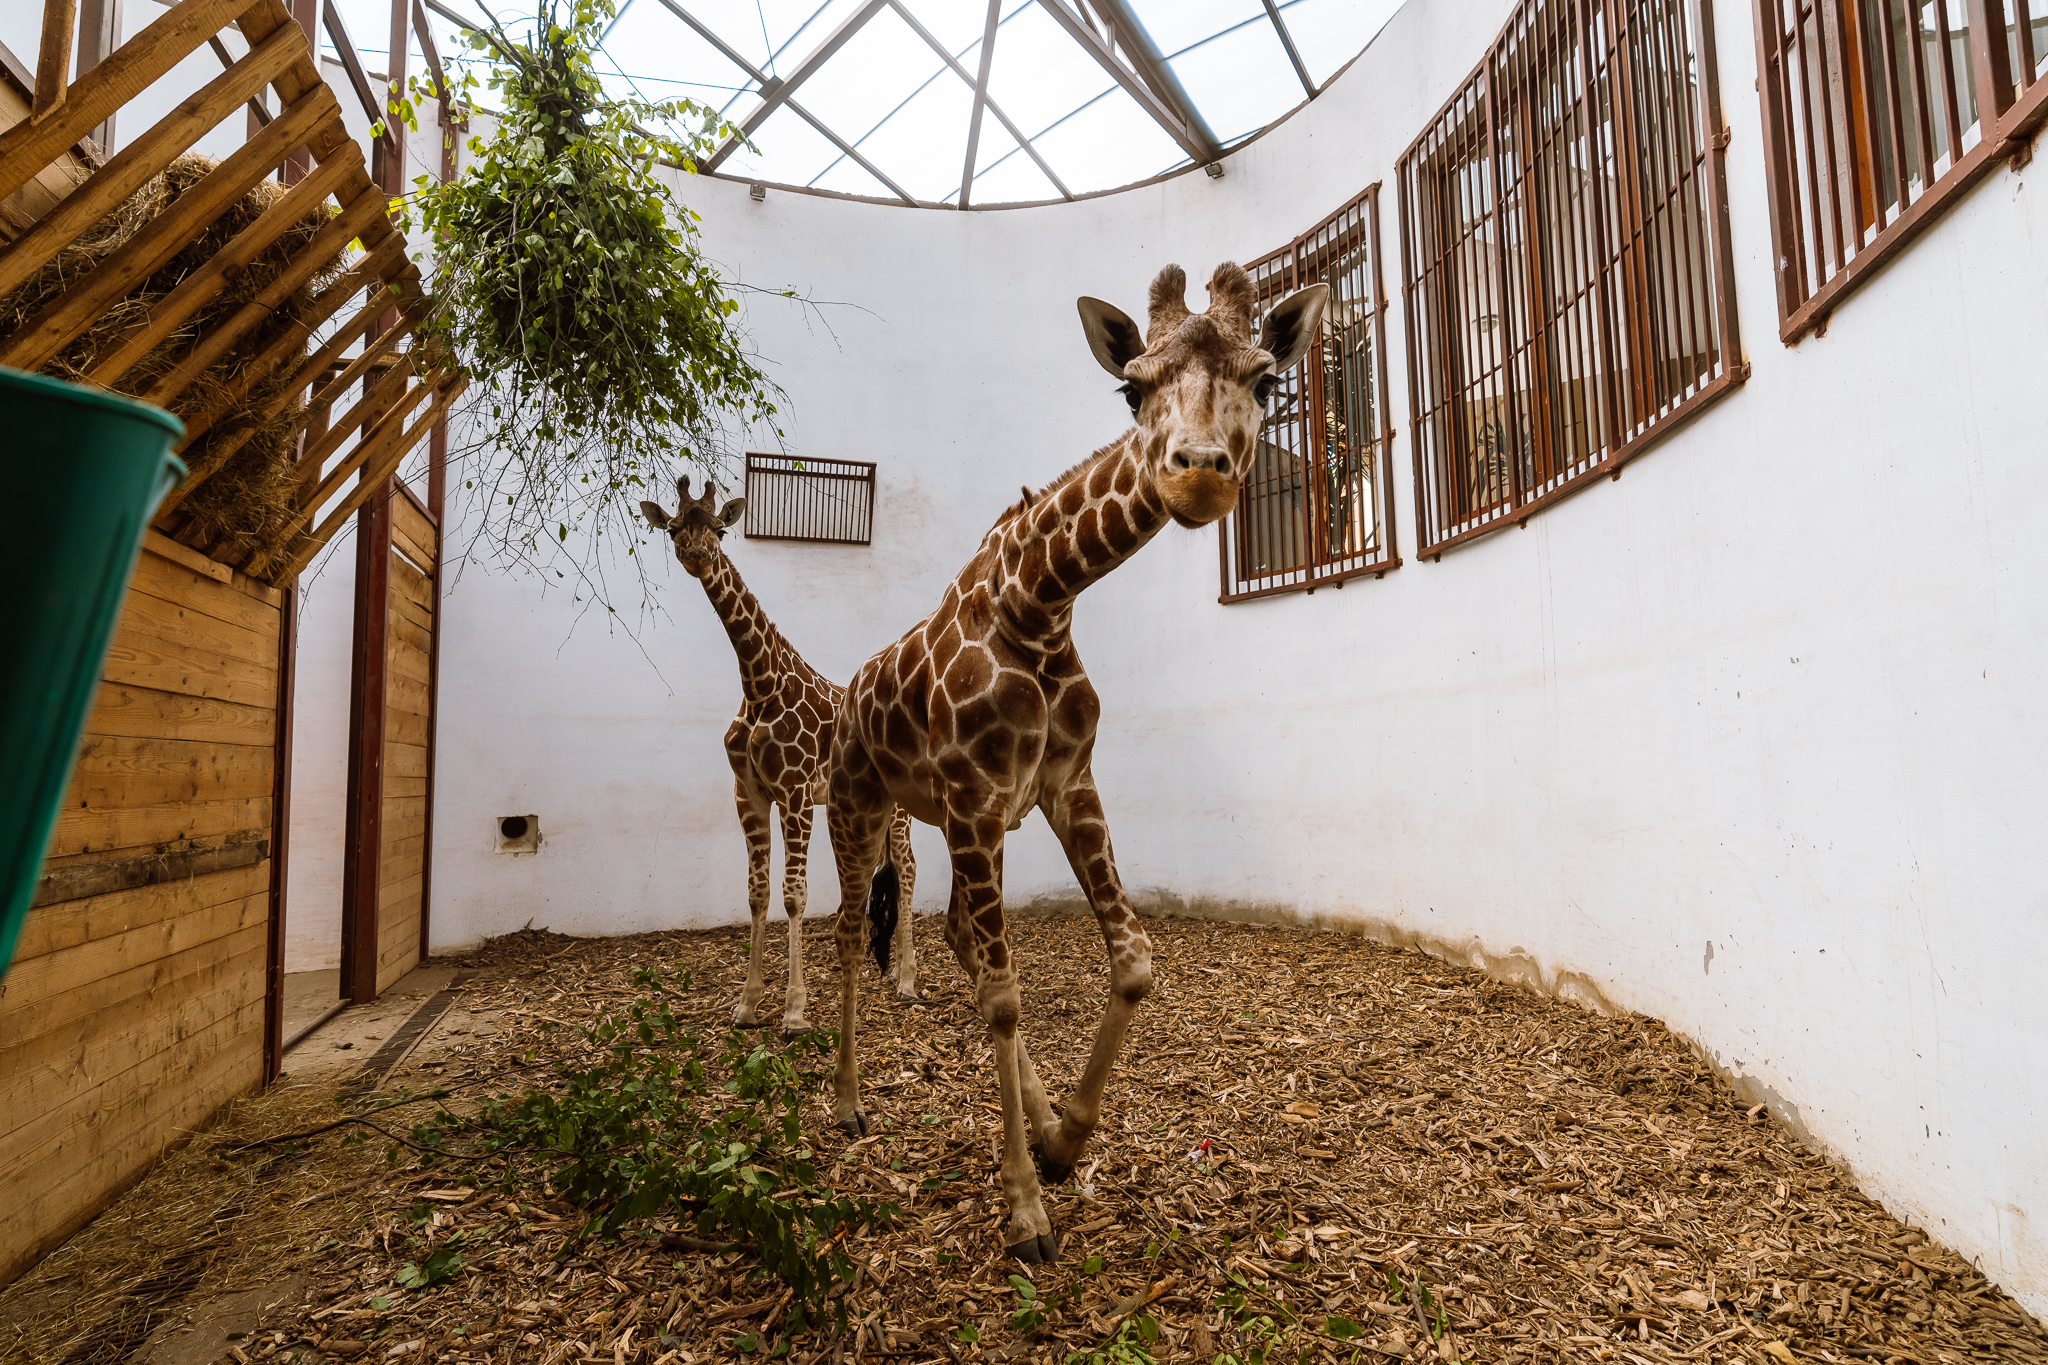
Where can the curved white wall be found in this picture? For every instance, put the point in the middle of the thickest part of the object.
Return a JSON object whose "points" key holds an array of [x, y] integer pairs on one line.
{"points": [[1749, 740]]}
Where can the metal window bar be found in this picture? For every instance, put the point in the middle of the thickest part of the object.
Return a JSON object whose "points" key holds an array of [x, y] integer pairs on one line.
{"points": [[1315, 507], [1565, 266], [828, 502], [1877, 115]]}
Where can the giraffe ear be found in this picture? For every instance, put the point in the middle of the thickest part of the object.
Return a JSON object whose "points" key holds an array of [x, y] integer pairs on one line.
{"points": [[1291, 328], [730, 513], [656, 518], [1112, 336]]}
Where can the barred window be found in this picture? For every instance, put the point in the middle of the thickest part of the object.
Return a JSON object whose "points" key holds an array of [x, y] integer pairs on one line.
{"points": [[1566, 285], [1314, 508], [1877, 115], [825, 501]]}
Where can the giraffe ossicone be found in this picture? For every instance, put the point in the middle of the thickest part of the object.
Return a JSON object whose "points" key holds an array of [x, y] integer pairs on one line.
{"points": [[983, 712], [777, 745]]}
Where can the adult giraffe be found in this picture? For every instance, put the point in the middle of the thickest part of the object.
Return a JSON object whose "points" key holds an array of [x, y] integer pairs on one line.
{"points": [[777, 746], [983, 711]]}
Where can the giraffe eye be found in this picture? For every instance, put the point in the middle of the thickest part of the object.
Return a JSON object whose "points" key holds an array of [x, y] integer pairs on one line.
{"points": [[1132, 396], [1263, 390]]}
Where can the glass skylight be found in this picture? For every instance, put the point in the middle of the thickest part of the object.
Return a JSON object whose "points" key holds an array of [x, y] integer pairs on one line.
{"points": [[1080, 95]]}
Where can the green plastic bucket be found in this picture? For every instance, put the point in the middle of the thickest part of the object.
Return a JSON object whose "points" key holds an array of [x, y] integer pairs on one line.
{"points": [[85, 471]]}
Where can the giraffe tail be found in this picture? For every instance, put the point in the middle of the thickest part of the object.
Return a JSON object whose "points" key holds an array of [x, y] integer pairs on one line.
{"points": [[884, 893]]}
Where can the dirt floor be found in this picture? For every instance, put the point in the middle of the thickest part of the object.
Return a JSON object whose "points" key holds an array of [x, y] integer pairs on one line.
{"points": [[1378, 1126]]}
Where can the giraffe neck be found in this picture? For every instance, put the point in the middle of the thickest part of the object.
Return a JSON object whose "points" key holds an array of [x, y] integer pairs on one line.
{"points": [[1081, 527], [755, 641]]}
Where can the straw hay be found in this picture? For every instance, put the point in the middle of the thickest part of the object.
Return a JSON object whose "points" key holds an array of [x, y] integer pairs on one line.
{"points": [[239, 507], [1572, 1187]]}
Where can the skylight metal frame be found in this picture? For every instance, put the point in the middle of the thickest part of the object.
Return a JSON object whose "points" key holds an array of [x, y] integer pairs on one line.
{"points": [[1109, 32]]}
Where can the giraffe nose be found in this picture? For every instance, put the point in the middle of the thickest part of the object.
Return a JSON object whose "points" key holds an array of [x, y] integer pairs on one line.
{"points": [[1202, 457]]}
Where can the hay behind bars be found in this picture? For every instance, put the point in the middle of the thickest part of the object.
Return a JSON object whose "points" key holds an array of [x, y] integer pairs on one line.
{"points": [[248, 498]]}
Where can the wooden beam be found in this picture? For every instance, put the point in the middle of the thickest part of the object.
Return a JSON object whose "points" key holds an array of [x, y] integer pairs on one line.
{"points": [[988, 53], [442, 88], [67, 316], [53, 63], [778, 90], [99, 33], [363, 843], [327, 393], [352, 64], [196, 290], [371, 416], [30, 145], [370, 206], [146, 157], [373, 476], [289, 345]]}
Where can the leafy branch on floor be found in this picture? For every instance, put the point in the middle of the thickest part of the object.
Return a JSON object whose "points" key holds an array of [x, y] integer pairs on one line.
{"points": [[663, 1122]]}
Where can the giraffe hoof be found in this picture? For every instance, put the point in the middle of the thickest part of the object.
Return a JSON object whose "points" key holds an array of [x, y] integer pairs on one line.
{"points": [[790, 1035], [1040, 1250], [855, 1127], [1050, 1172]]}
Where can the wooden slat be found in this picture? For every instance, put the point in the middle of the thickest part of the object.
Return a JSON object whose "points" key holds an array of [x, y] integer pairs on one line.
{"points": [[28, 147], [407, 697], [371, 270], [200, 287], [410, 664], [327, 244], [157, 577], [138, 709], [374, 474], [67, 316], [124, 770], [83, 876], [140, 659], [289, 346], [407, 727], [204, 636], [101, 831], [333, 389], [377, 410], [409, 636], [143, 158], [64, 1173], [30, 1018], [410, 526], [47, 1072], [71, 970], [405, 760], [50, 928], [53, 62]]}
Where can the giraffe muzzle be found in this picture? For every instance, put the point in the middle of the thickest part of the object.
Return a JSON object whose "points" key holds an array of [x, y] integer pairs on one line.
{"points": [[1198, 485]]}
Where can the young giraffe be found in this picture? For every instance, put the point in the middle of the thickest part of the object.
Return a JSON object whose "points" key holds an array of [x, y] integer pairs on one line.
{"points": [[983, 711], [777, 746]]}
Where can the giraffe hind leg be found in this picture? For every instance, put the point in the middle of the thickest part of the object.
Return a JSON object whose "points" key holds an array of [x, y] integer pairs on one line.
{"points": [[796, 852], [754, 823], [903, 953]]}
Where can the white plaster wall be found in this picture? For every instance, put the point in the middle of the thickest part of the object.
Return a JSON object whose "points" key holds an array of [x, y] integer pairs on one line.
{"points": [[1749, 740]]}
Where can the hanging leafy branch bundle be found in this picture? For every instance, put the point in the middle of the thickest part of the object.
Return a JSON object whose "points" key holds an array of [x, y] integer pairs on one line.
{"points": [[602, 345]]}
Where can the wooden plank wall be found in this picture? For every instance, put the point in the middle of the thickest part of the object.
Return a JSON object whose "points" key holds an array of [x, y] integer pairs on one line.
{"points": [[408, 637], [134, 1008]]}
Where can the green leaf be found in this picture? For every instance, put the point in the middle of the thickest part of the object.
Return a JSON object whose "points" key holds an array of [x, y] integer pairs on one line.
{"points": [[1092, 1266], [1344, 1329]]}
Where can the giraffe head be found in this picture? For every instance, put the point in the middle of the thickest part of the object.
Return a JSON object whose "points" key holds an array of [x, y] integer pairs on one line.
{"points": [[696, 529], [1199, 383]]}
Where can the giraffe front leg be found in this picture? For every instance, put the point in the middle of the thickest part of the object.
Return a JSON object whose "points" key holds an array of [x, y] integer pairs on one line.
{"points": [[976, 844], [796, 858], [903, 953], [1083, 831], [754, 823]]}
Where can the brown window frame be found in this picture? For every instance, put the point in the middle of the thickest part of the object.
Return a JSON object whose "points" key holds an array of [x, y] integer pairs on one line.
{"points": [[809, 499], [1853, 171], [1344, 469], [1606, 314]]}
